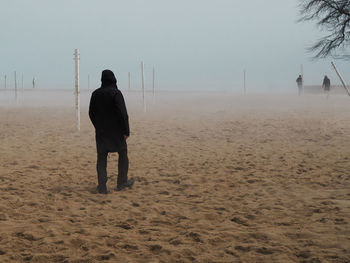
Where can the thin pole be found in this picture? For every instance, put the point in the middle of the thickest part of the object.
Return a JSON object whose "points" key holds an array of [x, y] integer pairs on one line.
{"points": [[15, 86], [340, 77], [5, 81], [143, 85], [22, 83], [244, 82], [302, 71], [153, 82], [129, 80], [77, 95]]}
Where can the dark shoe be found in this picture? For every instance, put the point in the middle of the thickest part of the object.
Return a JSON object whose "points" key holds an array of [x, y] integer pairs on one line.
{"points": [[129, 184], [102, 189]]}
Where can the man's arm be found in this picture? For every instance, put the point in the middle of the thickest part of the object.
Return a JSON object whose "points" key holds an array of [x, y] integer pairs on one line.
{"points": [[92, 111], [121, 108]]}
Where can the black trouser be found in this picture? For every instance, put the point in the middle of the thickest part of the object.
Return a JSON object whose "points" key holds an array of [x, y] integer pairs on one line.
{"points": [[123, 166]]}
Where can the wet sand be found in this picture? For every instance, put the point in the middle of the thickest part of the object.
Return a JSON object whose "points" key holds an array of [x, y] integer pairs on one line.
{"points": [[219, 178]]}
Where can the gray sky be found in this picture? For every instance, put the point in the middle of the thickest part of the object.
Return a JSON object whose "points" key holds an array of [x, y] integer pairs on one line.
{"points": [[193, 44]]}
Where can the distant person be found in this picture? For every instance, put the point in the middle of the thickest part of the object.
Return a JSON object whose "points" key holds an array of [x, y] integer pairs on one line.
{"points": [[109, 116], [33, 82], [326, 85], [300, 84]]}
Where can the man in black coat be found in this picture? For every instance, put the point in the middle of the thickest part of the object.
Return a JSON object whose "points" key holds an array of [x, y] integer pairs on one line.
{"points": [[300, 84], [108, 114], [326, 85]]}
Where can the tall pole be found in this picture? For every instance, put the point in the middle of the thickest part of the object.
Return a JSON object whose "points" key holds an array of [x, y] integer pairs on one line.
{"points": [[5, 81], [15, 86], [143, 85], [244, 82], [22, 83], [302, 70], [77, 95], [129, 80], [153, 82], [340, 77]]}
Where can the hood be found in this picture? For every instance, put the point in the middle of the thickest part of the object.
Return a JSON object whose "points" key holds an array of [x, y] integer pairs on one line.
{"points": [[108, 78]]}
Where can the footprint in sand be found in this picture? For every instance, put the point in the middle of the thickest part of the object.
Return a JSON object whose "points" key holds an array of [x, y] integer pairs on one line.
{"points": [[195, 237], [3, 217], [265, 251], [175, 242], [239, 221], [303, 254], [244, 249], [106, 256], [124, 225], [28, 236], [129, 247], [155, 248]]}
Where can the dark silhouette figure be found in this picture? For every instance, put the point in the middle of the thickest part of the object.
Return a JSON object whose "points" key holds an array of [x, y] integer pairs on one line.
{"points": [[109, 116], [326, 85], [300, 84]]}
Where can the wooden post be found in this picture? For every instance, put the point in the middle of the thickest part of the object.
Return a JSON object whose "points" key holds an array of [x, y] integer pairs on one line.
{"points": [[340, 77], [302, 71], [15, 86], [153, 82], [143, 85], [129, 80], [5, 81], [77, 93], [244, 82]]}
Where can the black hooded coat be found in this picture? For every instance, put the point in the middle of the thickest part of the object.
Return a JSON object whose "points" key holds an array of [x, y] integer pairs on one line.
{"points": [[326, 83], [109, 116]]}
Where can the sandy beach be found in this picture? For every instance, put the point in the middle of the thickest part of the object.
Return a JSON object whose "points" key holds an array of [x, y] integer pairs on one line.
{"points": [[219, 178]]}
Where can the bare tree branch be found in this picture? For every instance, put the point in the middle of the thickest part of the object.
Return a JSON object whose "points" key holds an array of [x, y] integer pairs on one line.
{"points": [[332, 16]]}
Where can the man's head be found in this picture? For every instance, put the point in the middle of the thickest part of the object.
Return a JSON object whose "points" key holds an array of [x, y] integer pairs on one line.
{"points": [[108, 78]]}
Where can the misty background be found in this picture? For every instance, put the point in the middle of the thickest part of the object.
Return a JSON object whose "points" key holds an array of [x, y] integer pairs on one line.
{"points": [[193, 44]]}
